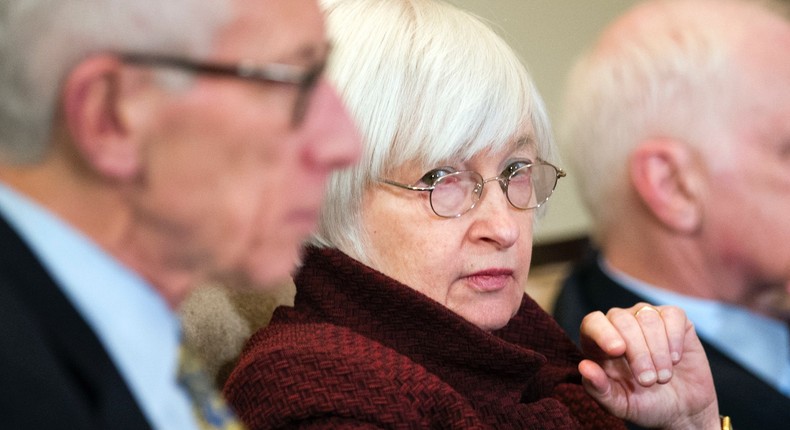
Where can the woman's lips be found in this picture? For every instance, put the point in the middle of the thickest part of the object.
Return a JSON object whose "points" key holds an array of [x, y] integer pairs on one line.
{"points": [[490, 280]]}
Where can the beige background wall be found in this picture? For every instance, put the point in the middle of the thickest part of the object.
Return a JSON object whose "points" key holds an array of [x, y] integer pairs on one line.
{"points": [[549, 35]]}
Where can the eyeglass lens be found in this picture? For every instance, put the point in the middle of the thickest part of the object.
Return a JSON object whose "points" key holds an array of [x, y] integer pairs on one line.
{"points": [[306, 81], [526, 188], [306, 90], [456, 193]]}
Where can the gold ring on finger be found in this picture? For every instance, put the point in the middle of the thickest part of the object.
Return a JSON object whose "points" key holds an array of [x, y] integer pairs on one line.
{"points": [[646, 308]]}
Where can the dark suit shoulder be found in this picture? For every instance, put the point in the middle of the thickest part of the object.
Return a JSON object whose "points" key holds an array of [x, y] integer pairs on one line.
{"points": [[31, 375], [587, 289], [54, 373]]}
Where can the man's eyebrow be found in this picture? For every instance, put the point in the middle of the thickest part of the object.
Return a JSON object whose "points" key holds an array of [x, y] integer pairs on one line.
{"points": [[314, 53]]}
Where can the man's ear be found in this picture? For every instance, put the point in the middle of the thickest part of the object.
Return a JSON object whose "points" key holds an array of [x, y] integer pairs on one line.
{"points": [[667, 178], [91, 98]]}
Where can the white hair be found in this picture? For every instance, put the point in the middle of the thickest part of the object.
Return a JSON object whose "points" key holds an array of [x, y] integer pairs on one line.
{"points": [[668, 75], [426, 82], [41, 40]]}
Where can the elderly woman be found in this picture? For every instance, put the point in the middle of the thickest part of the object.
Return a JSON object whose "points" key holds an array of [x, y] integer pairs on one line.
{"points": [[410, 309]]}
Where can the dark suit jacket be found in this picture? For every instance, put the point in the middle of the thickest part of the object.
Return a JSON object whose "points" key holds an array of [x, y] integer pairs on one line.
{"points": [[751, 403], [54, 373]]}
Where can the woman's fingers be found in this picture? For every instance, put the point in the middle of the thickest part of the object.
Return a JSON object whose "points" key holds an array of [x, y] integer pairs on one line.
{"points": [[650, 338]]}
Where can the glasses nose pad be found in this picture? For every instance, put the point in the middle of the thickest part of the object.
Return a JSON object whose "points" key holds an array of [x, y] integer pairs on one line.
{"points": [[502, 184], [477, 190]]}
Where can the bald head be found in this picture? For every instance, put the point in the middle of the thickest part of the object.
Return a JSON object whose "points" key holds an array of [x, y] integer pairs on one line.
{"points": [[675, 69], [729, 18]]}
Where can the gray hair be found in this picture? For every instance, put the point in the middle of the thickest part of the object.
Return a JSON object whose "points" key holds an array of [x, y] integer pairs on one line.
{"points": [[41, 40], [671, 75], [426, 82]]}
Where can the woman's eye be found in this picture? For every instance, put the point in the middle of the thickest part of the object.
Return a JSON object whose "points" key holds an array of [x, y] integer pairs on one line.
{"points": [[431, 177], [513, 167]]}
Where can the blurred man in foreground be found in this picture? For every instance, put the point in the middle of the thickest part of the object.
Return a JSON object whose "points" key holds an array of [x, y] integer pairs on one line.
{"points": [[145, 147]]}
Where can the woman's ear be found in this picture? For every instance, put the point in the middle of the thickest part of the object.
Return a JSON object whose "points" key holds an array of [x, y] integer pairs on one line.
{"points": [[668, 180], [91, 99]]}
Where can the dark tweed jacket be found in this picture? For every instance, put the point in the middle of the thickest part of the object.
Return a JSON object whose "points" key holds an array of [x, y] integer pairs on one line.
{"points": [[360, 350]]}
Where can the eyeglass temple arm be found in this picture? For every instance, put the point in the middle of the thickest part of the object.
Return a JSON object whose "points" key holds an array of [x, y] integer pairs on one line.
{"points": [[404, 186], [274, 72]]}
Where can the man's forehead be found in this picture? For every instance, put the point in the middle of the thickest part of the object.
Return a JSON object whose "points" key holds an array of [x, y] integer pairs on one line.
{"points": [[284, 31]]}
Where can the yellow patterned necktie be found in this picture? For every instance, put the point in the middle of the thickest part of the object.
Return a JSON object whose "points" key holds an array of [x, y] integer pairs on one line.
{"points": [[210, 408]]}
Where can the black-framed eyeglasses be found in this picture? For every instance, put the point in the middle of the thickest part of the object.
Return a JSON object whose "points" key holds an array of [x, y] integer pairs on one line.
{"points": [[526, 185], [304, 79]]}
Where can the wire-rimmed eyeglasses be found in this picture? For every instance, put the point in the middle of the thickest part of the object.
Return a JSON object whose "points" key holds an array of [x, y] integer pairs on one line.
{"points": [[304, 79], [526, 186]]}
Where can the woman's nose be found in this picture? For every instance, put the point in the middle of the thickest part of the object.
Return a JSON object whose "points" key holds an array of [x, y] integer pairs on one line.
{"points": [[495, 220]]}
